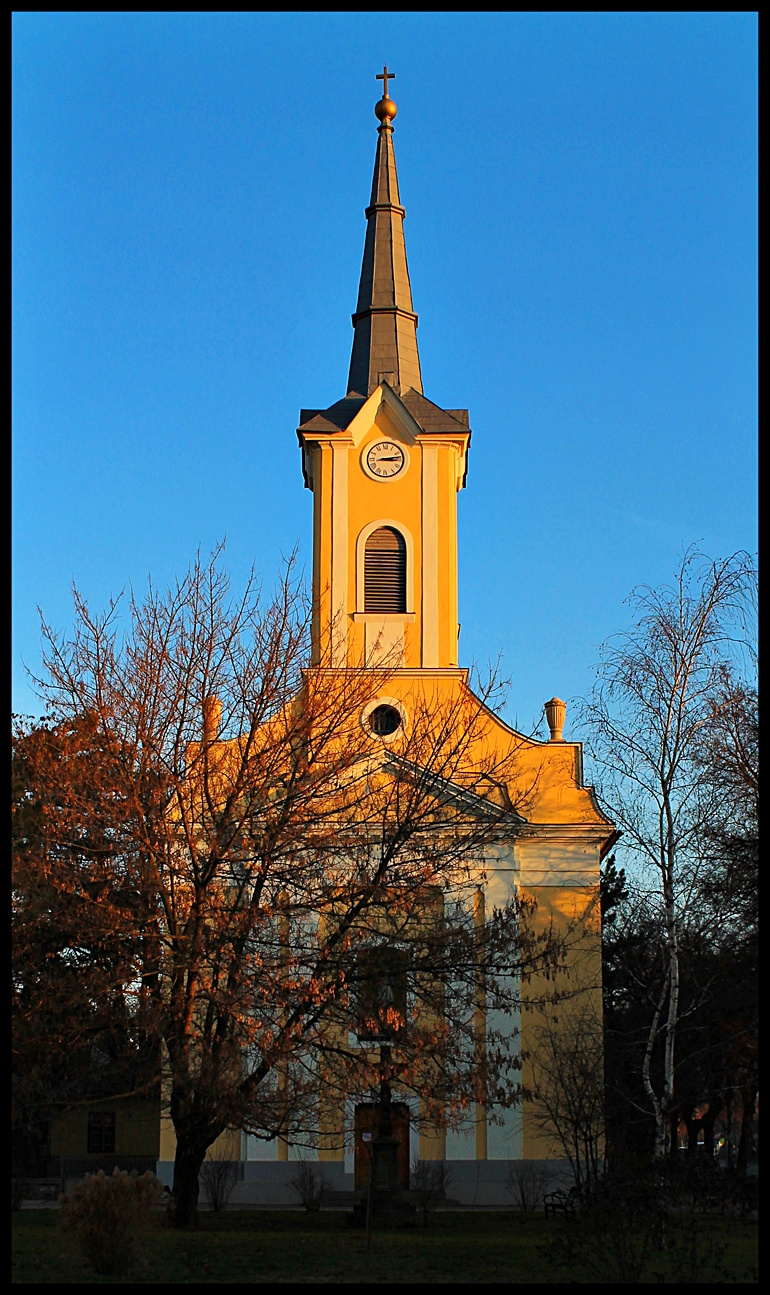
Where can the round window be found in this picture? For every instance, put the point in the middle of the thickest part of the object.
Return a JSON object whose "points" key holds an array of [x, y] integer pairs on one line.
{"points": [[384, 720]]}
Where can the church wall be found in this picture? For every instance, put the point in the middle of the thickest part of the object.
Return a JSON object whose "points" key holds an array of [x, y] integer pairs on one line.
{"points": [[230, 1145], [461, 1143], [472, 1183], [574, 910], [484, 1184], [257, 1149], [136, 1128], [503, 1125], [562, 876]]}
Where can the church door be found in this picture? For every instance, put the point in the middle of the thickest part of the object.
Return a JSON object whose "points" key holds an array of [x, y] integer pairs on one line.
{"points": [[366, 1124]]}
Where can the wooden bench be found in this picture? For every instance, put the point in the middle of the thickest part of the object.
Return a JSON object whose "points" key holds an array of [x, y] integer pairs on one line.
{"points": [[560, 1202]]}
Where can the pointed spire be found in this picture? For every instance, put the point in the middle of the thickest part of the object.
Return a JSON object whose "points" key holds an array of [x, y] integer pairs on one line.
{"points": [[385, 339]]}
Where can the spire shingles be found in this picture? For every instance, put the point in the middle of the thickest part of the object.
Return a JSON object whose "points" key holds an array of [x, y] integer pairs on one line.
{"points": [[385, 338]]}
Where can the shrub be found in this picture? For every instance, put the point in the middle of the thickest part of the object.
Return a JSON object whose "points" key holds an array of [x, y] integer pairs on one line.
{"points": [[698, 1183], [429, 1181], [105, 1216], [647, 1222], [527, 1181], [617, 1229], [308, 1185], [218, 1176]]}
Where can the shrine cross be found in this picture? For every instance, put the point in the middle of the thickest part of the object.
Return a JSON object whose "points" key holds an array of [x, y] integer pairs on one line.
{"points": [[385, 76]]}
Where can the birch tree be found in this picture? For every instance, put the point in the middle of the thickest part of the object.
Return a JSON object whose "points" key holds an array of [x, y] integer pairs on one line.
{"points": [[654, 714]]}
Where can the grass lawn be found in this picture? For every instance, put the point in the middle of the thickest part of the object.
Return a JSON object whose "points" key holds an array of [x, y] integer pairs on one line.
{"points": [[291, 1246]]}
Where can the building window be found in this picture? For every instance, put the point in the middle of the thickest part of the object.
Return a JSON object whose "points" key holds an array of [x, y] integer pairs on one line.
{"points": [[384, 720], [101, 1132], [385, 572], [381, 976]]}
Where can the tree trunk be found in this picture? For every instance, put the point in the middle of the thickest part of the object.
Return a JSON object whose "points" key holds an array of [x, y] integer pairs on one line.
{"points": [[667, 1102], [729, 1134], [660, 1115], [673, 1134], [184, 1194], [708, 1122], [692, 1125], [748, 1101]]}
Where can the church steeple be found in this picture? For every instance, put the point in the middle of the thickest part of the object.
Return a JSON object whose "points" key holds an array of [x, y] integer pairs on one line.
{"points": [[385, 339], [385, 465]]}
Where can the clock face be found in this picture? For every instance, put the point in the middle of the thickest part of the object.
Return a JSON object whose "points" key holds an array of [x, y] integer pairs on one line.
{"points": [[385, 459]]}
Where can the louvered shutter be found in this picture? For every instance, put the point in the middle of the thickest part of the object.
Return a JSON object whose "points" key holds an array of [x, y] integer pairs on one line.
{"points": [[385, 572]]}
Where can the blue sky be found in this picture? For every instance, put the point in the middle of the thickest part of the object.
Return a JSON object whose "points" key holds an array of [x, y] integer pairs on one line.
{"points": [[189, 193]]}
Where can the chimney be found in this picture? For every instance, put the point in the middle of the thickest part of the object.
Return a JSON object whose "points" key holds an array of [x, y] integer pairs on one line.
{"points": [[212, 714]]}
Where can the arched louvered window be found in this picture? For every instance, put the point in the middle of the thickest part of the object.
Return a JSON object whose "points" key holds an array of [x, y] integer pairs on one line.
{"points": [[385, 571]]}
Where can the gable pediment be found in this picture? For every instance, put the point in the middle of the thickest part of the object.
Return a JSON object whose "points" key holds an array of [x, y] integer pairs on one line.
{"points": [[486, 799], [386, 410]]}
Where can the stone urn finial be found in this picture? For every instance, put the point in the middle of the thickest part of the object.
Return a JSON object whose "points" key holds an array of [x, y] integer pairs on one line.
{"points": [[555, 711]]}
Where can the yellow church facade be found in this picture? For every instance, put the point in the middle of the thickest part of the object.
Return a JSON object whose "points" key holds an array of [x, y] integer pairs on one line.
{"points": [[385, 465]]}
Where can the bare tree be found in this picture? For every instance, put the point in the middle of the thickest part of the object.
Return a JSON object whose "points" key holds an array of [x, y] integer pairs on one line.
{"points": [[658, 704], [568, 1064], [309, 1186], [728, 901], [429, 1183], [528, 1182], [256, 836]]}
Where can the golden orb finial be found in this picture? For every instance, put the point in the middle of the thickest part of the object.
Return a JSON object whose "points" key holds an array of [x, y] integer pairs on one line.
{"points": [[385, 110]]}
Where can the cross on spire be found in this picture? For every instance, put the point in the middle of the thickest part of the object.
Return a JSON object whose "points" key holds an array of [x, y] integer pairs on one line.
{"points": [[385, 76]]}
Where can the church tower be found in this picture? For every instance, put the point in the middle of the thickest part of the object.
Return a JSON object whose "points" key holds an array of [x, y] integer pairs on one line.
{"points": [[385, 465]]}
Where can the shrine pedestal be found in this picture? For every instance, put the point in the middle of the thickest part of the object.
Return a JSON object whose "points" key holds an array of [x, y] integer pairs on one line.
{"points": [[384, 1202], [385, 1164]]}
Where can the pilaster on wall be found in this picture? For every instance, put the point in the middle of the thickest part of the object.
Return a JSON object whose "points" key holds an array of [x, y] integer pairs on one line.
{"points": [[167, 1139], [331, 1109], [331, 1131], [480, 1021], [339, 580], [432, 1144], [452, 572], [430, 601]]}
